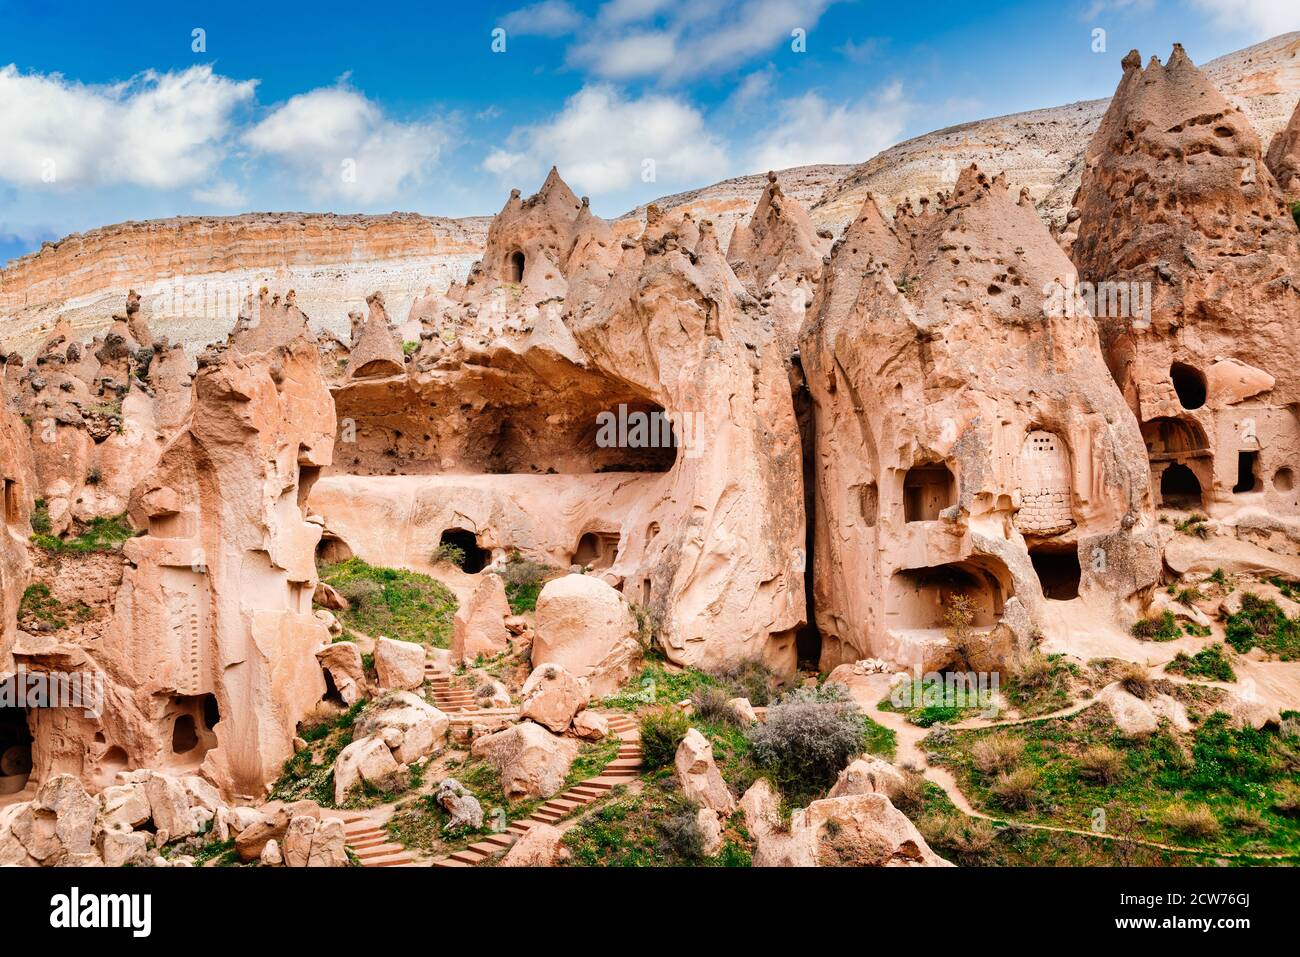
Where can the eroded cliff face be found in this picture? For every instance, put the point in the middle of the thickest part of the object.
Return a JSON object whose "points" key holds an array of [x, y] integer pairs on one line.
{"points": [[969, 440], [19, 481], [1178, 206]]}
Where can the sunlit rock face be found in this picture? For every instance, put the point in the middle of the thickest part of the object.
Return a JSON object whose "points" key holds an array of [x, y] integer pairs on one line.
{"points": [[211, 654], [969, 438], [1178, 211], [617, 404]]}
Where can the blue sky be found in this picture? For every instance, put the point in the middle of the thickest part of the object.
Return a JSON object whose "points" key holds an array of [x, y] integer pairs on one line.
{"points": [[108, 112]]}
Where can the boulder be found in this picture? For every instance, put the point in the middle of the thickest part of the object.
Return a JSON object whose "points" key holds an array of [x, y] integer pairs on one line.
{"points": [[417, 727], [341, 661], [1249, 712], [585, 626], [169, 806], [329, 845], [270, 825], [491, 694], [591, 726], [464, 808], [860, 830], [271, 856], [120, 848], [868, 775], [399, 664], [540, 846], [57, 827], [202, 794], [366, 759], [296, 846], [552, 696], [744, 710], [710, 828], [479, 626], [1132, 716], [531, 761], [698, 774], [327, 596], [124, 806]]}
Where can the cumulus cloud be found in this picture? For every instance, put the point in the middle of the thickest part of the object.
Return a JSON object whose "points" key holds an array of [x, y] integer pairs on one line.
{"points": [[341, 145], [160, 130], [809, 129], [675, 42], [550, 18], [602, 139], [1264, 18]]}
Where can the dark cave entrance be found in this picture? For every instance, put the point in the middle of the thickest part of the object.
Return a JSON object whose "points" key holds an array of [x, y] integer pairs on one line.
{"points": [[1058, 570], [15, 750], [476, 557], [1179, 487], [1247, 472], [808, 638], [515, 266]]}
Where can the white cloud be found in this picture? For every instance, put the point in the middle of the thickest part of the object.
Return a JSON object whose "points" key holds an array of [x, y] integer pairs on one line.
{"points": [[342, 145], [221, 193], [755, 86], [159, 130], [601, 140], [550, 18], [811, 130], [688, 40], [1263, 18]]}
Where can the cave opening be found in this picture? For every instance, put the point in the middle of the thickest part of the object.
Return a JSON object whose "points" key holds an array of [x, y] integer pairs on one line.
{"points": [[476, 557], [1179, 487], [15, 750], [1189, 384], [596, 550], [331, 550], [927, 491], [515, 266], [923, 598], [185, 737], [1283, 480], [1247, 472], [1057, 567]]}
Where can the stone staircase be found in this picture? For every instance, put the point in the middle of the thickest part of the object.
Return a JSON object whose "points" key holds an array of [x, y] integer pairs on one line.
{"points": [[625, 766], [370, 842], [446, 696]]}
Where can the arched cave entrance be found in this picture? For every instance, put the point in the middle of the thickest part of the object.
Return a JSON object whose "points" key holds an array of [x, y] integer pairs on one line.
{"points": [[331, 550], [515, 266], [927, 491], [1057, 567], [15, 750], [1189, 384], [194, 720], [1179, 487], [476, 557], [596, 550], [1283, 480], [920, 598]]}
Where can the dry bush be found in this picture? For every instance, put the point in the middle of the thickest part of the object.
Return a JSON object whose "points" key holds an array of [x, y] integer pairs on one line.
{"points": [[1287, 801], [911, 795], [1102, 764], [1192, 821], [1017, 789], [955, 835], [997, 752], [710, 704], [1136, 681], [1245, 820]]}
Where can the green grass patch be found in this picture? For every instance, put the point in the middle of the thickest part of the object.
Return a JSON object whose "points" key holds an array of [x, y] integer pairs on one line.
{"points": [[1211, 662], [393, 603], [1041, 684], [39, 604], [309, 773], [523, 579], [97, 535], [1261, 623], [1161, 789], [1162, 627]]}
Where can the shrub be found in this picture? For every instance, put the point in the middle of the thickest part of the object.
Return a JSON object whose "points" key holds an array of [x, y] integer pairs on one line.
{"points": [[41, 518], [997, 753], [967, 839], [1136, 681], [710, 704], [523, 579], [94, 476], [1017, 789], [1194, 822], [911, 794], [1287, 802], [1040, 684], [809, 737], [1261, 622], [1162, 627], [750, 679], [1102, 764], [449, 554], [661, 732], [1211, 662], [680, 836]]}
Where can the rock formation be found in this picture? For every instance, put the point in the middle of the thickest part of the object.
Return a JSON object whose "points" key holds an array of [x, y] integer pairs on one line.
{"points": [[1178, 206], [969, 440], [1284, 157]]}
